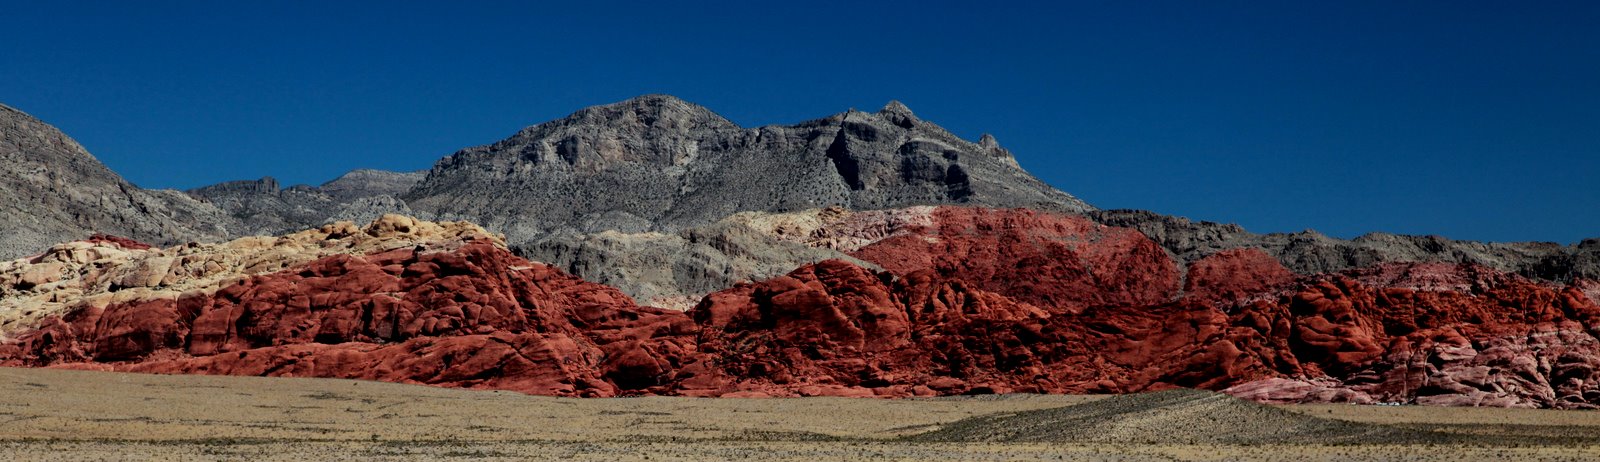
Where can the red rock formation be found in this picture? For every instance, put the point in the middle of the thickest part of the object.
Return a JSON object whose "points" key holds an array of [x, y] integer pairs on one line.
{"points": [[1064, 263], [1442, 334], [839, 329], [118, 240], [1236, 276], [474, 317], [836, 328], [972, 301]]}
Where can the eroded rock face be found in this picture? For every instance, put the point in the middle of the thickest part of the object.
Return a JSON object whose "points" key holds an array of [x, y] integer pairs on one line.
{"points": [[1441, 334], [400, 300], [960, 301], [834, 328], [103, 271], [674, 270], [1065, 262], [1310, 252], [838, 329], [262, 207], [52, 190], [658, 163]]}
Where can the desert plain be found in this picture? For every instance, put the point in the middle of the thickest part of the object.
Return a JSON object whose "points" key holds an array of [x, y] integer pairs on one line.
{"points": [[51, 414]]}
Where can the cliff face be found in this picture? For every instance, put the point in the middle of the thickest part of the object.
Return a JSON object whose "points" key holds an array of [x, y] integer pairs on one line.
{"points": [[657, 163], [263, 207], [52, 190]]}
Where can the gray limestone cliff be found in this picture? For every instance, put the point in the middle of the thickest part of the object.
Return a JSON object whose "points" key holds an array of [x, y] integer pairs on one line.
{"points": [[1312, 252], [658, 163], [262, 207], [52, 190]]}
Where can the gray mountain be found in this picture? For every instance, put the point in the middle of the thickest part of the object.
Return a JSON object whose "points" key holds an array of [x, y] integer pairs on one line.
{"points": [[52, 190], [1312, 252], [365, 183], [635, 194], [658, 163], [262, 207], [674, 270]]}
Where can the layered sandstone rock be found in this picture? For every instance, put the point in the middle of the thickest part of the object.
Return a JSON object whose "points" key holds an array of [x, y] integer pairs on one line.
{"points": [[1442, 334], [955, 301], [399, 300], [102, 271]]}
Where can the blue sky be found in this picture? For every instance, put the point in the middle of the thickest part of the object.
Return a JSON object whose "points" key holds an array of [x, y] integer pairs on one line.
{"points": [[1472, 120]]}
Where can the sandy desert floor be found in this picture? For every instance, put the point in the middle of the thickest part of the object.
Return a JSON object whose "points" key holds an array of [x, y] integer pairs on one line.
{"points": [[74, 415]]}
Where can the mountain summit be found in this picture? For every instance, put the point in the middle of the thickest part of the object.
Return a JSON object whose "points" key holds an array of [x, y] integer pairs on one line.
{"points": [[658, 163]]}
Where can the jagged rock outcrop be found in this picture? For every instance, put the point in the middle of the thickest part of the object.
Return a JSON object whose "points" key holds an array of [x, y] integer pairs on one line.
{"points": [[1310, 252], [1428, 333], [1065, 262], [52, 190], [262, 207], [399, 300], [364, 183], [657, 163], [105, 270], [674, 270], [1440, 334]]}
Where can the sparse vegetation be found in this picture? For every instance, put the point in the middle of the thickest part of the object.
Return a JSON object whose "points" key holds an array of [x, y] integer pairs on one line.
{"points": [[91, 415]]}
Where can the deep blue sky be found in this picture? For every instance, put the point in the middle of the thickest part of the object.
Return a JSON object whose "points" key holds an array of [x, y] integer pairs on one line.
{"points": [[1473, 121]]}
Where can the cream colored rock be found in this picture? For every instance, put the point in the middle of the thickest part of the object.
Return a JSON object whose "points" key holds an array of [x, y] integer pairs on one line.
{"points": [[78, 274], [836, 228], [41, 274]]}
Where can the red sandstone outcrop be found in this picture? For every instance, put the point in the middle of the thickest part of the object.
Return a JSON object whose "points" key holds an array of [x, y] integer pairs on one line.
{"points": [[1063, 262], [1442, 334], [966, 301], [448, 308]]}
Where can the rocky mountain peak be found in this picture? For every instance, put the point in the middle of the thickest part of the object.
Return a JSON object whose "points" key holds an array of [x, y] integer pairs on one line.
{"points": [[650, 131], [27, 138], [898, 114], [647, 112], [658, 163], [264, 185], [361, 183], [895, 107]]}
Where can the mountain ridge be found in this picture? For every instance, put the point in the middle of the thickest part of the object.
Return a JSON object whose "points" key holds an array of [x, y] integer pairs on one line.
{"points": [[55, 190], [662, 174], [911, 281], [667, 164]]}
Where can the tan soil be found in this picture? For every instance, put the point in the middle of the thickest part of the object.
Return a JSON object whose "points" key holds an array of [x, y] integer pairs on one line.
{"points": [[76, 415]]}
